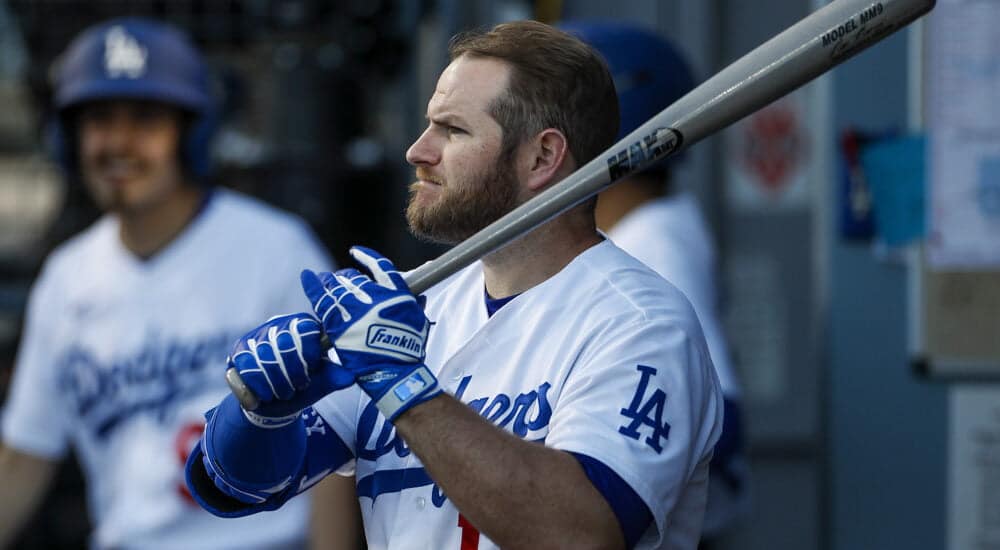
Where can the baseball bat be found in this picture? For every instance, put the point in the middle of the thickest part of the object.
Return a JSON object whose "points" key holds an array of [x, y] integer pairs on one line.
{"points": [[814, 45]]}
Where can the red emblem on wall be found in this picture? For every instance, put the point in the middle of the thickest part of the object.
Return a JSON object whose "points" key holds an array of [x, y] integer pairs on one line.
{"points": [[773, 146]]}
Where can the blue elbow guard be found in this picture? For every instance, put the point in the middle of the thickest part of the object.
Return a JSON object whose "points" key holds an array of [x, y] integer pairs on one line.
{"points": [[239, 469]]}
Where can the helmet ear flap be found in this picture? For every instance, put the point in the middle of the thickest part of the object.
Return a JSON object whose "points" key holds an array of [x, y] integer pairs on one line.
{"points": [[196, 149], [59, 142]]}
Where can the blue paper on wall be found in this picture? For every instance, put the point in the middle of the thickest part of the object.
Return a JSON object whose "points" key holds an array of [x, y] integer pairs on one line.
{"points": [[894, 169]]}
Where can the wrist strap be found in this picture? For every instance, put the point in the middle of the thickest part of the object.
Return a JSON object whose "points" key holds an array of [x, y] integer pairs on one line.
{"points": [[268, 422], [417, 386]]}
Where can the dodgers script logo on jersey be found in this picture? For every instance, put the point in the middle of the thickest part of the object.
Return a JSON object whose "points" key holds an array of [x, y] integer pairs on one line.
{"points": [[527, 414], [151, 379]]}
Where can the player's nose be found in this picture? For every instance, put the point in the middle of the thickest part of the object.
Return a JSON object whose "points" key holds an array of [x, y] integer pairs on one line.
{"points": [[423, 151]]}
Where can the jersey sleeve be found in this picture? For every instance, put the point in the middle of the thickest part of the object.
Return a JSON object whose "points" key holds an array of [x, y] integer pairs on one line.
{"points": [[644, 400], [32, 420]]}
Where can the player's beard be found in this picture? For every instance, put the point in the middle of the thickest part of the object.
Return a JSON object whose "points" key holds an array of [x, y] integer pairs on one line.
{"points": [[463, 208]]}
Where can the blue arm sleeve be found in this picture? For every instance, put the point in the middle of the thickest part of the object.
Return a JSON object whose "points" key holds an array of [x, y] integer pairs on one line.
{"points": [[633, 515], [238, 469]]}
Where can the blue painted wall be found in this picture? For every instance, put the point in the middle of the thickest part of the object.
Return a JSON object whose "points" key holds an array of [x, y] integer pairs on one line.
{"points": [[886, 428]]}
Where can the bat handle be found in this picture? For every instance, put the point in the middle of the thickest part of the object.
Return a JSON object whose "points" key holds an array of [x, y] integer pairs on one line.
{"points": [[248, 400], [246, 397]]}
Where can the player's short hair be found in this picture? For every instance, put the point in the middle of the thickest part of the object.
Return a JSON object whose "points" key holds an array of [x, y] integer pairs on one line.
{"points": [[556, 81]]}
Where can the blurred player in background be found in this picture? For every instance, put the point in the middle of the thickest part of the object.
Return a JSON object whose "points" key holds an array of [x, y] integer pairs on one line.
{"points": [[130, 321], [654, 219], [564, 396]]}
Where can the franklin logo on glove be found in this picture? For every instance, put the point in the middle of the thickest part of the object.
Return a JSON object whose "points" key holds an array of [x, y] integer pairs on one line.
{"points": [[396, 339]]}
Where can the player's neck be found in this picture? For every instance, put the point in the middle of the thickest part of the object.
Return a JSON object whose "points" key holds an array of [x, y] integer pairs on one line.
{"points": [[540, 254], [618, 200], [146, 232]]}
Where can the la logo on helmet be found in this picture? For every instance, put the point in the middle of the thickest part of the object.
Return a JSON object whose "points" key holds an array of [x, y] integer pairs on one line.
{"points": [[123, 55]]}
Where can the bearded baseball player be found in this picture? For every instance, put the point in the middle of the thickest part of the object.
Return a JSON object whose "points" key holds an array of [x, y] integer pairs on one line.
{"points": [[556, 394], [128, 321]]}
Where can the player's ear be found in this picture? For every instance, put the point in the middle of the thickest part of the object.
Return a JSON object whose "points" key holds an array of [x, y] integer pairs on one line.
{"points": [[544, 158]]}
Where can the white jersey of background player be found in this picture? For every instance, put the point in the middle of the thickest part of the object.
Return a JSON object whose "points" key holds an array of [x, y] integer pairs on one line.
{"points": [[125, 339], [593, 367], [649, 217]]}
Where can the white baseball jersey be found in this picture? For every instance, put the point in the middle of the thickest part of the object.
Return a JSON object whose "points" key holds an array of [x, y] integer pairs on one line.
{"points": [[670, 236], [121, 358], [605, 359]]}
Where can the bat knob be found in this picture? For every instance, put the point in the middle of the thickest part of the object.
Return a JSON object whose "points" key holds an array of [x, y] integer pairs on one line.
{"points": [[242, 392]]}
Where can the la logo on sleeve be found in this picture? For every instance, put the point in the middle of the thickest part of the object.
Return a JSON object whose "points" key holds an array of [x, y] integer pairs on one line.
{"points": [[646, 411]]}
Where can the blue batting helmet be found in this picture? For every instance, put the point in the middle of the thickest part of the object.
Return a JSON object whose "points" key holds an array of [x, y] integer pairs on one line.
{"points": [[649, 72], [136, 58]]}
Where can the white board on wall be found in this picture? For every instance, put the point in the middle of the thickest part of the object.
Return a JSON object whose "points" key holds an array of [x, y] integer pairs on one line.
{"points": [[974, 468]]}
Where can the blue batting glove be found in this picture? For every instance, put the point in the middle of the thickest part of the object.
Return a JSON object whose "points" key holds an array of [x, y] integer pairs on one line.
{"points": [[284, 365], [252, 456], [378, 330]]}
